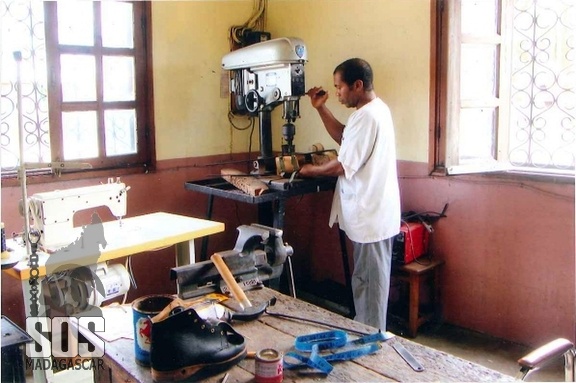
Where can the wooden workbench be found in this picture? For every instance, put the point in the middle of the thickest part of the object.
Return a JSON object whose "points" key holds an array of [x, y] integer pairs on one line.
{"points": [[385, 365]]}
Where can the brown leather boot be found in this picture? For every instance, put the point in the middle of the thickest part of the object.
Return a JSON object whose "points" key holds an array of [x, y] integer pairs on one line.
{"points": [[185, 346]]}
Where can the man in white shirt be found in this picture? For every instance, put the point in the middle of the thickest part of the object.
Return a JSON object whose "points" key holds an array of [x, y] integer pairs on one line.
{"points": [[366, 201]]}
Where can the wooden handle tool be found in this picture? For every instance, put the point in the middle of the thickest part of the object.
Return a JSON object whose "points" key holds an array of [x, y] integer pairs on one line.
{"points": [[230, 281]]}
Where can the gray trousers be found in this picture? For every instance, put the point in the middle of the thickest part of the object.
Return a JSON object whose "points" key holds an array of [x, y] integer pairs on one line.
{"points": [[371, 281]]}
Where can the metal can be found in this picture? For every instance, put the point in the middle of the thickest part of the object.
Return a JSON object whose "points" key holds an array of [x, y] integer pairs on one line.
{"points": [[269, 367]]}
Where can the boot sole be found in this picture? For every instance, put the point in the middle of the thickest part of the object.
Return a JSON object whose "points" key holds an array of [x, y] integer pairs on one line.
{"points": [[196, 372]]}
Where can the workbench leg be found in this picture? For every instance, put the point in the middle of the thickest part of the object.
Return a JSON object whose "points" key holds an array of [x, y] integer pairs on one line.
{"points": [[437, 307], [279, 213], [204, 250], [414, 307], [185, 253], [266, 213]]}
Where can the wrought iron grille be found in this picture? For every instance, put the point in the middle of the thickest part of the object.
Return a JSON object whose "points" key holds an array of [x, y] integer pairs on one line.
{"points": [[543, 101], [23, 30]]}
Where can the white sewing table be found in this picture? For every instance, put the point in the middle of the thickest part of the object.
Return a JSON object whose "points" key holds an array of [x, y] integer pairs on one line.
{"points": [[135, 235]]}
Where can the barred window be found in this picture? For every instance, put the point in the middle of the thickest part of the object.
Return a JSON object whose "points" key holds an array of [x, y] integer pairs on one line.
{"points": [[84, 85], [508, 101]]}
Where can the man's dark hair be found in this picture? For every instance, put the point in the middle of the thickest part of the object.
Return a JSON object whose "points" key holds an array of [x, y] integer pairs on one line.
{"points": [[356, 69]]}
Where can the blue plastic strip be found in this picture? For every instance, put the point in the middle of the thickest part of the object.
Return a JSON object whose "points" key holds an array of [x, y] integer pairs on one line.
{"points": [[324, 340], [335, 339], [354, 353]]}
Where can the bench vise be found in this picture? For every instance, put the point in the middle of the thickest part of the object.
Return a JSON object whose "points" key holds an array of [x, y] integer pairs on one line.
{"points": [[258, 256]]}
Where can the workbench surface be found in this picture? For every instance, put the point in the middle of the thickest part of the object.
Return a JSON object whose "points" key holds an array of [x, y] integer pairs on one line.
{"points": [[279, 333]]}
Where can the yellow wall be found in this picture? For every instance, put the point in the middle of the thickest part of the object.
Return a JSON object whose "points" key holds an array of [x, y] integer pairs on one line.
{"points": [[190, 38]]}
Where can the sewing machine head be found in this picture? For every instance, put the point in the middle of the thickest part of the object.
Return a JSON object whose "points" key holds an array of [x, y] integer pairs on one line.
{"points": [[52, 212]]}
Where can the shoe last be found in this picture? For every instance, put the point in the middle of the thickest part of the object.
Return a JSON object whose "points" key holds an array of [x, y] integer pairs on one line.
{"points": [[186, 347]]}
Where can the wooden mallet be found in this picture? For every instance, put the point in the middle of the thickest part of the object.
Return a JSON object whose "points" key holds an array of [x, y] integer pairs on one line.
{"points": [[225, 273]]}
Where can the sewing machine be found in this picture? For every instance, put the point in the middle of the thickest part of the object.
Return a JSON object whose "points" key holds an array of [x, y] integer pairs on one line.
{"points": [[263, 76], [74, 290], [258, 256], [52, 212]]}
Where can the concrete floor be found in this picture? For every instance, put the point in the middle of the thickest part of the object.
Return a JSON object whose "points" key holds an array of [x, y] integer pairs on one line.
{"points": [[494, 353]]}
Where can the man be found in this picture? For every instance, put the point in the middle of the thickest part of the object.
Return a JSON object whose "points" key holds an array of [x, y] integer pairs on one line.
{"points": [[366, 201]]}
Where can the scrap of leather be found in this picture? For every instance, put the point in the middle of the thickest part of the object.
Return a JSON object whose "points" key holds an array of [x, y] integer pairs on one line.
{"points": [[177, 302]]}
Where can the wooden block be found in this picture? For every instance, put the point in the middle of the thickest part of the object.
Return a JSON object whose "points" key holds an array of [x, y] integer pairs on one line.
{"points": [[245, 182], [289, 164]]}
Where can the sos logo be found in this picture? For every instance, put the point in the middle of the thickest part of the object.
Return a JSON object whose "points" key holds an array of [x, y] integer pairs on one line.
{"points": [[58, 337]]}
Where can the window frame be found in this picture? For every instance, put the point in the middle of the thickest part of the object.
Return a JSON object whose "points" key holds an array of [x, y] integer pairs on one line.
{"points": [[445, 85], [144, 160]]}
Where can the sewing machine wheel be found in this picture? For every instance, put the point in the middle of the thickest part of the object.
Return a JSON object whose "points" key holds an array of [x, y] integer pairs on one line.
{"points": [[79, 293]]}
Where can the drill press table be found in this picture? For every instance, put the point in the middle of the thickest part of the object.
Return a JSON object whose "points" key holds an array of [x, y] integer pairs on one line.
{"points": [[279, 333], [271, 205], [280, 190]]}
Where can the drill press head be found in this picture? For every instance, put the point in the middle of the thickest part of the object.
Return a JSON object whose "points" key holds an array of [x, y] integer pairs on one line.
{"points": [[266, 74]]}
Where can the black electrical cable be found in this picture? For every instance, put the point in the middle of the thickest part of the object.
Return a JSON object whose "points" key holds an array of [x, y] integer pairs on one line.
{"points": [[286, 316], [429, 216]]}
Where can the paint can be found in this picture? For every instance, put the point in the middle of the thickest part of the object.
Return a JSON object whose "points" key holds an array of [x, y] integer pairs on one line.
{"points": [[144, 309], [269, 366]]}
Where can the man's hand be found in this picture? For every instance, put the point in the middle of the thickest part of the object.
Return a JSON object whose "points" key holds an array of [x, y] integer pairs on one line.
{"points": [[318, 97], [332, 168], [306, 171]]}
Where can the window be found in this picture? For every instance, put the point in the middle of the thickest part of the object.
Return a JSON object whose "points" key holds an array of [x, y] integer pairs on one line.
{"points": [[84, 77], [507, 86]]}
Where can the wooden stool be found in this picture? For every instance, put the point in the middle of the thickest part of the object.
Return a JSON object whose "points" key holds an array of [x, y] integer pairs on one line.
{"points": [[415, 273]]}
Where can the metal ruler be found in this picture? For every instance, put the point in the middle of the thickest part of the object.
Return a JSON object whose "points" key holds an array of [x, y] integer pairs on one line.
{"points": [[405, 354]]}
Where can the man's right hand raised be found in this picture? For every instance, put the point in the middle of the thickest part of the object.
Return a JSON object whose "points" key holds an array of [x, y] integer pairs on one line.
{"points": [[318, 97]]}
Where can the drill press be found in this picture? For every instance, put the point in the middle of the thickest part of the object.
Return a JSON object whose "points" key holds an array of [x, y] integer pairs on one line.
{"points": [[263, 76]]}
